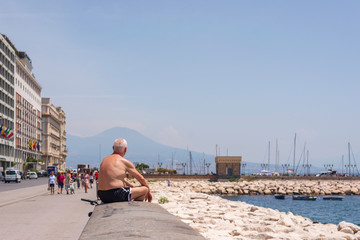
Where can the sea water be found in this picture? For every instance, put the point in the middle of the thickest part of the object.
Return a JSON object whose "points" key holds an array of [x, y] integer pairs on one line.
{"points": [[325, 211]]}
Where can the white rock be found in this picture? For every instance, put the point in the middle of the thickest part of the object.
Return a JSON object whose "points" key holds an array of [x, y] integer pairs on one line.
{"points": [[344, 224], [347, 230], [285, 221]]}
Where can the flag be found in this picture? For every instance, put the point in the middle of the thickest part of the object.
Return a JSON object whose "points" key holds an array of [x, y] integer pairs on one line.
{"points": [[34, 145], [3, 131], [11, 134], [38, 146], [30, 144], [7, 132]]}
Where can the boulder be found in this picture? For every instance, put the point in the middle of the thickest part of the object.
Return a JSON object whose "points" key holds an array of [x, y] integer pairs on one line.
{"points": [[285, 221], [289, 192], [253, 209], [354, 190], [352, 226], [267, 192], [347, 191], [253, 189], [206, 190], [230, 190], [347, 230]]}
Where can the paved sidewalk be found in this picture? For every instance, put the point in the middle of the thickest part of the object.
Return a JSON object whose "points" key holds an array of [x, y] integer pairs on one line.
{"points": [[32, 213], [12, 196]]}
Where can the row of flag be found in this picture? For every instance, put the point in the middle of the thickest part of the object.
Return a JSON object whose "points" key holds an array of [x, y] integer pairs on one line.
{"points": [[34, 145], [6, 132]]}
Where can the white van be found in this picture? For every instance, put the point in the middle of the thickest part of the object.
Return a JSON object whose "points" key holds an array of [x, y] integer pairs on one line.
{"points": [[12, 174]]}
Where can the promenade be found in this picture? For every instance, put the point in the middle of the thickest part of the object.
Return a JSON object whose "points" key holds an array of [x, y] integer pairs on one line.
{"points": [[32, 213]]}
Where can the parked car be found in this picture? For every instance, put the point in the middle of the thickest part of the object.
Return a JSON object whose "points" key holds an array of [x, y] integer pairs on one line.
{"points": [[41, 173], [32, 175], [12, 175]]}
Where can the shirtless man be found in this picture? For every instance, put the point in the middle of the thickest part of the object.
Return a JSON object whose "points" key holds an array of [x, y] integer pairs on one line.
{"points": [[112, 186]]}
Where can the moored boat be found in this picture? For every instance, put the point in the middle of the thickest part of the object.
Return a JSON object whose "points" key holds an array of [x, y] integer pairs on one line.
{"points": [[304, 197], [279, 196], [336, 198]]}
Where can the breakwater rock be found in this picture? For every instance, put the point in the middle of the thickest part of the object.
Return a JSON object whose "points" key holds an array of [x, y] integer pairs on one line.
{"points": [[286, 187], [218, 218]]}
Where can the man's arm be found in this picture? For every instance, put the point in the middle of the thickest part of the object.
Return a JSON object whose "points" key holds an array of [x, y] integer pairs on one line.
{"points": [[133, 172], [127, 183]]}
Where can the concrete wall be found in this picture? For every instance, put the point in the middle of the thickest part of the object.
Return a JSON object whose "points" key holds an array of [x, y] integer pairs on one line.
{"points": [[136, 220]]}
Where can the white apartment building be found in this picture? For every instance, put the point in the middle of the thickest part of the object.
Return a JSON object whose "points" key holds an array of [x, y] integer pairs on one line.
{"points": [[7, 128], [53, 135], [28, 115]]}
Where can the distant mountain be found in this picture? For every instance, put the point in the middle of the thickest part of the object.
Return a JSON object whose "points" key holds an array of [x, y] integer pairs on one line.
{"points": [[141, 149]]}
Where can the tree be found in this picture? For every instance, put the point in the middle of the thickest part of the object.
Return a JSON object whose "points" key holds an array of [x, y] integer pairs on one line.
{"points": [[142, 166]]}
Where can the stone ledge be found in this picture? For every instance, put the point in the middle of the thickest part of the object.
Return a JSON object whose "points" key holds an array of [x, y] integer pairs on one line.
{"points": [[136, 220]]}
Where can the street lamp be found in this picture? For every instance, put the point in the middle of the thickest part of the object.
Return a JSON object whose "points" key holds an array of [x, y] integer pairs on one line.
{"points": [[243, 166], [184, 166], [348, 166], [285, 166]]}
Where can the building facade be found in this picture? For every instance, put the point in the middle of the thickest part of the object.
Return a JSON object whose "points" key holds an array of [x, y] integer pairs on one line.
{"points": [[53, 135], [28, 115], [7, 103], [228, 166]]}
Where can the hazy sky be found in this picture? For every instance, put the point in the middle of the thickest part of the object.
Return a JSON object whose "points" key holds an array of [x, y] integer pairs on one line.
{"points": [[199, 73]]}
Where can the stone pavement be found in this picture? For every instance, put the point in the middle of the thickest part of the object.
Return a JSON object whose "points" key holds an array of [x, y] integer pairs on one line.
{"points": [[32, 213]]}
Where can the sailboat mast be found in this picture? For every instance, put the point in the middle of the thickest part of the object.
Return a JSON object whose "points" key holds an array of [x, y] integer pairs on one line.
{"points": [[349, 159], [307, 163], [294, 154], [204, 162], [190, 163], [276, 158], [269, 158]]}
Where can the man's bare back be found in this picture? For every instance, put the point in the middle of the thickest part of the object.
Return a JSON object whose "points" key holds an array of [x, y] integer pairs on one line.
{"points": [[112, 172], [112, 185]]}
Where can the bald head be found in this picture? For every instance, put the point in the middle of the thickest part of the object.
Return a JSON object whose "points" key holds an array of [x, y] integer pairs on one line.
{"points": [[120, 145]]}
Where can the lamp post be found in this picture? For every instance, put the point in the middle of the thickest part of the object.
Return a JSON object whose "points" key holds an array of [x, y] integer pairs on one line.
{"points": [[184, 166], [243, 166], [348, 166], [207, 166], [285, 166], [354, 169]]}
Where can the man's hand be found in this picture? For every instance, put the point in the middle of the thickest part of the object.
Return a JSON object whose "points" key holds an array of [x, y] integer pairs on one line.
{"points": [[149, 197]]}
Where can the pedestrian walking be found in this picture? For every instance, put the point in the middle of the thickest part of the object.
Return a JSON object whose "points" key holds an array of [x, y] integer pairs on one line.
{"points": [[78, 180], [52, 181], [67, 181], [82, 181], [91, 179], [60, 180], [86, 181]]}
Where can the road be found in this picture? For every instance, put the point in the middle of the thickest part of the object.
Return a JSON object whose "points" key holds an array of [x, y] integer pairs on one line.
{"points": [[32, 213], [24, 184]]}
